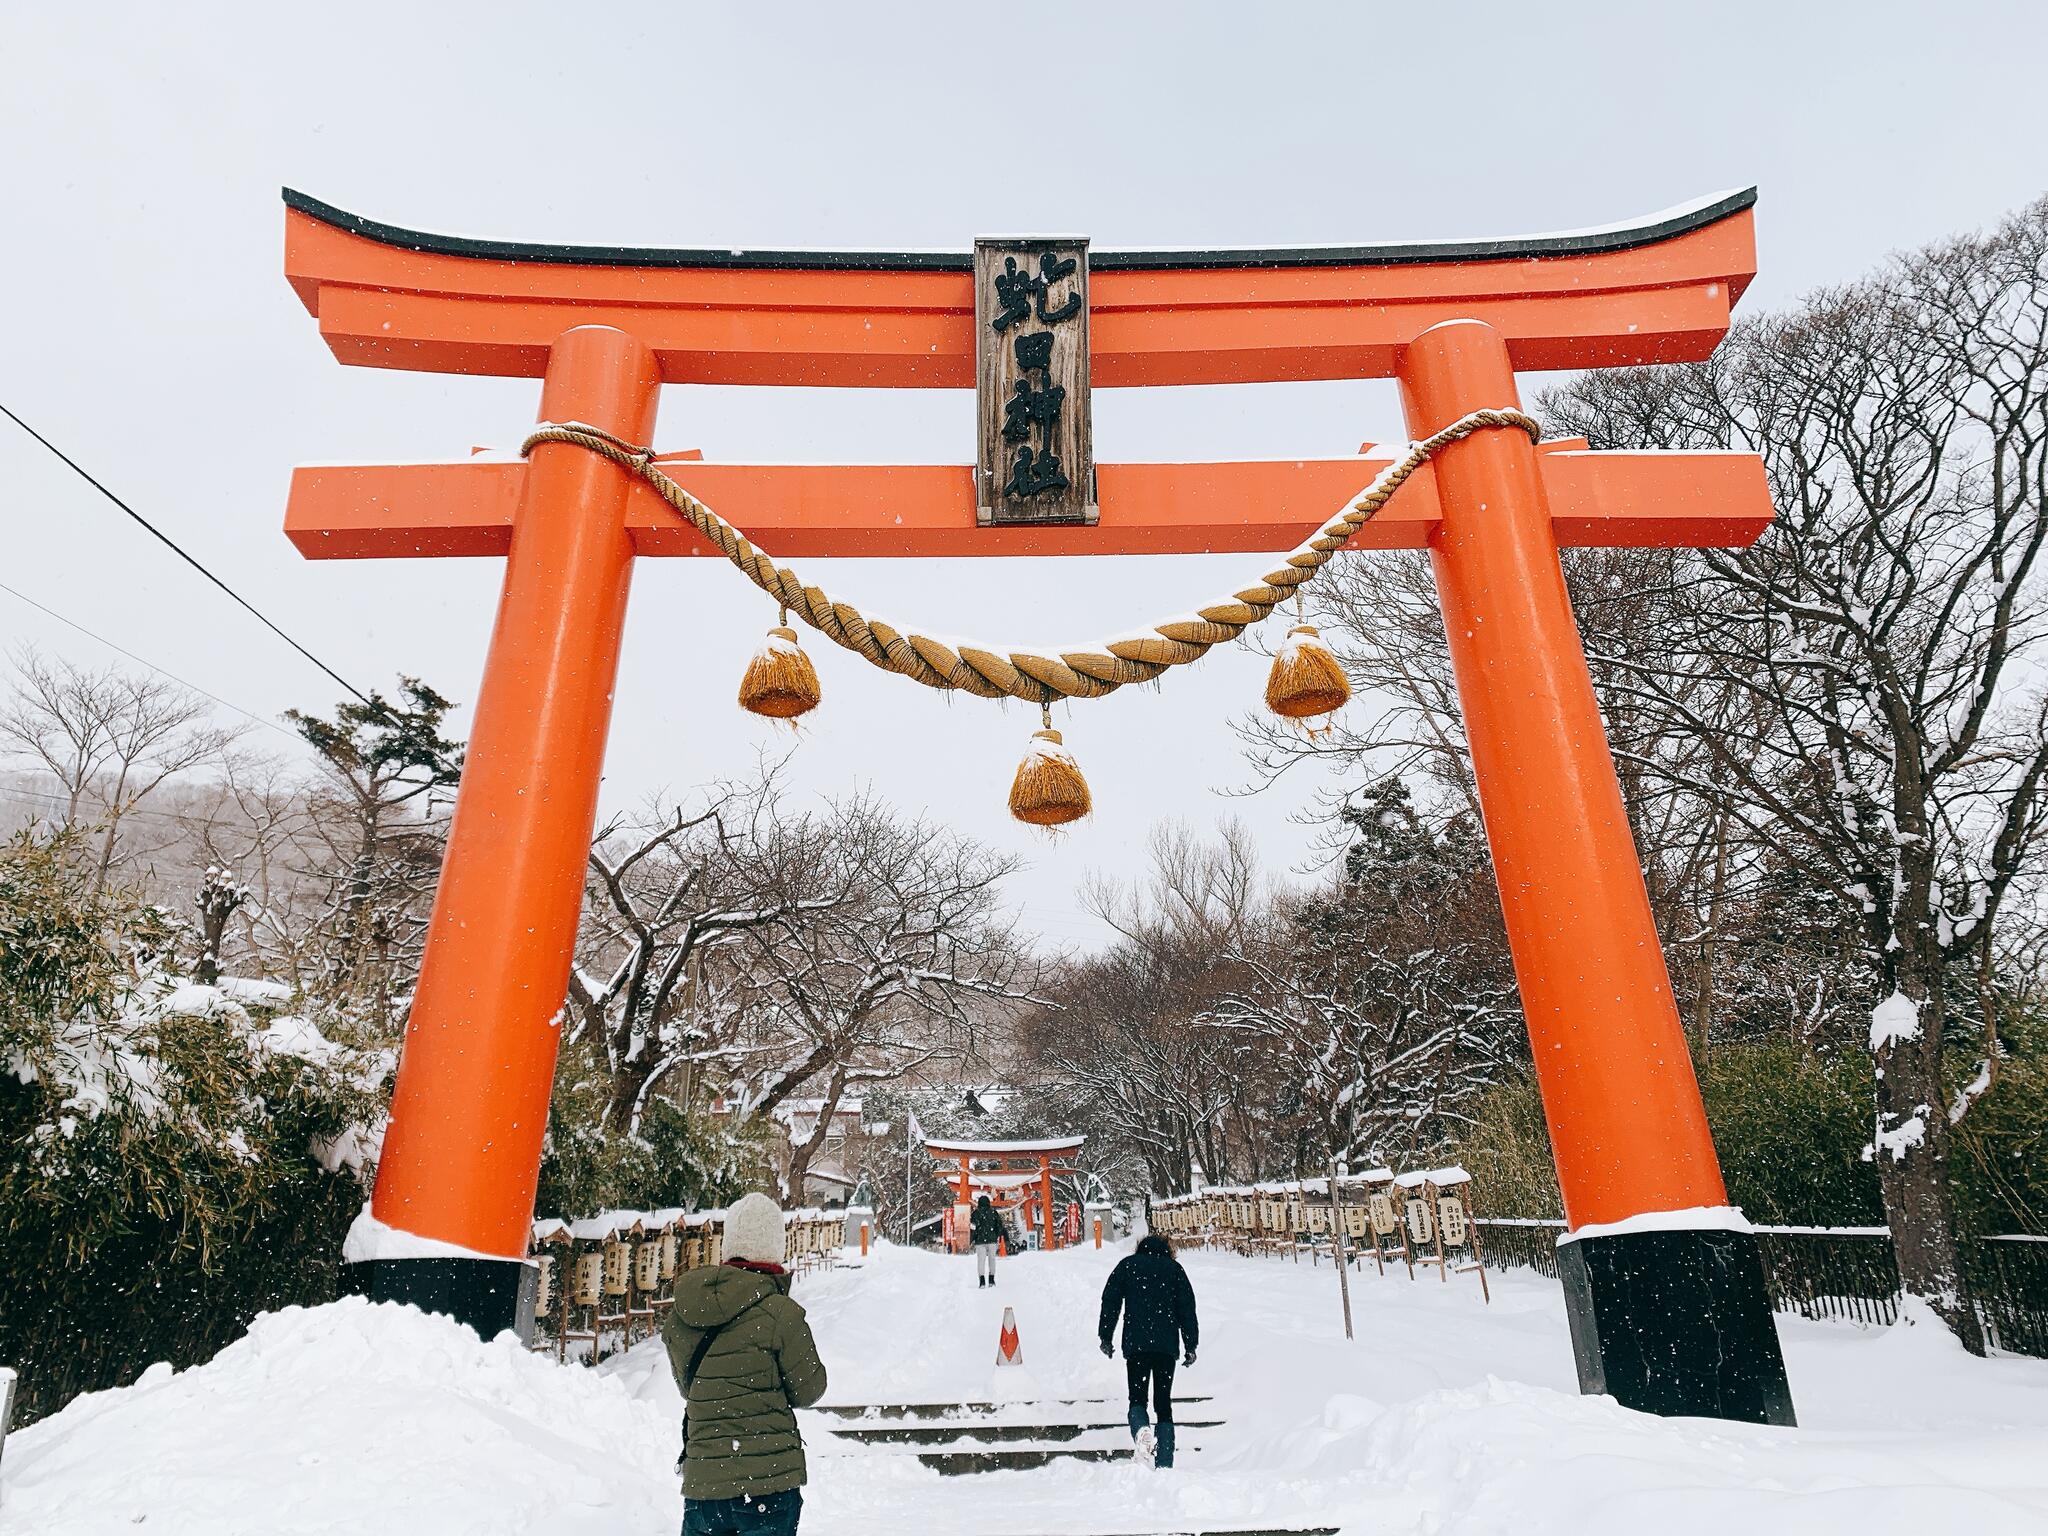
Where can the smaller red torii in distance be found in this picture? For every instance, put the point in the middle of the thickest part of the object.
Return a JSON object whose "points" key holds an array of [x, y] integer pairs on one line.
{"points": [[1052, 1158]]}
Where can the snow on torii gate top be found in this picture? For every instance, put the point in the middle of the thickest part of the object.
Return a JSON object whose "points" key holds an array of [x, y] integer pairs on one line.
{"points": [[1058, 1149], [1655, 291]]}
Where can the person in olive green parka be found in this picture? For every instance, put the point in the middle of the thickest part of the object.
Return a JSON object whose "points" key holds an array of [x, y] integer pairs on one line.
{"points": [[743, 1457]]}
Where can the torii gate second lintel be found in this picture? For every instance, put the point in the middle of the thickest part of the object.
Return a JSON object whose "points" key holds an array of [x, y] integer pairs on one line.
{"points": [[1665, 1288]]}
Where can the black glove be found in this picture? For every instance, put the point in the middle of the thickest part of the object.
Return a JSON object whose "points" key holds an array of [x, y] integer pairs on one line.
{"points": [[1107, 1352], [1189, 1358]]}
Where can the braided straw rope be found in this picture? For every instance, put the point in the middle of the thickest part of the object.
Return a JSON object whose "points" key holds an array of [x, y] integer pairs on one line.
{"points": [[1037, 677]]}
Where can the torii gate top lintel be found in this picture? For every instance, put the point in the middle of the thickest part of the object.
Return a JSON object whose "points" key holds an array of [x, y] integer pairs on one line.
{"points": [[1659, 290]]}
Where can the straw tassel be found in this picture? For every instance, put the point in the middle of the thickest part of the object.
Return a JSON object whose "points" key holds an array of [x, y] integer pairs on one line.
{"points": [[1306, 679], [780, 681], [1048, 790]]}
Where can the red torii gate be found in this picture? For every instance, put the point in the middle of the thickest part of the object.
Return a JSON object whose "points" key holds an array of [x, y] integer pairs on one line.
{"points": [[1013, 1160], [1666, 1294]]}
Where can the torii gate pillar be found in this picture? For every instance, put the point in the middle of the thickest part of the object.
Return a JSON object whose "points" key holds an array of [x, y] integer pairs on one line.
{"points": [[462, 1155], [1669, 1315]]}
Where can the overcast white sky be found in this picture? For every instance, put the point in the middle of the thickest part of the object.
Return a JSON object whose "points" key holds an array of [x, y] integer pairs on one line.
{"points": [[147, 327]]}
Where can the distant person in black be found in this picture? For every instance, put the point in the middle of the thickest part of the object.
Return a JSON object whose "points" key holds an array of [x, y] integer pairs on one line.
{"points": [[985, 1227], [1152, 1291]]}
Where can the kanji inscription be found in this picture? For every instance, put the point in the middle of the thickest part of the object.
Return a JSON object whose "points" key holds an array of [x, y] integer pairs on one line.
{"points": [[1036, 459]]}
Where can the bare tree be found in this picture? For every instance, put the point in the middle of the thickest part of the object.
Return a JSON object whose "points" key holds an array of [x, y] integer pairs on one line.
{"points": [[754, 953], [900, 968], [109, 738], [1383, 1007], [1196, 890], [667, 896], [1121, 1046]]}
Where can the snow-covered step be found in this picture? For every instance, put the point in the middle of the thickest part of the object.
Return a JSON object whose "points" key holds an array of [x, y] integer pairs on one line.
{"points": [[965, 1439], [988, 1431], [1019, 1458], [960, 1410]]}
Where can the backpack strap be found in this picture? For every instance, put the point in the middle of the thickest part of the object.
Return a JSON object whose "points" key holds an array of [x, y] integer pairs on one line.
{"points": [[704, 1342]]}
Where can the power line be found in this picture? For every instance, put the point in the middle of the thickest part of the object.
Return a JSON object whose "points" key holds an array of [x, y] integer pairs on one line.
{"points": [[17, 792], [144, 661], [172, 545]]}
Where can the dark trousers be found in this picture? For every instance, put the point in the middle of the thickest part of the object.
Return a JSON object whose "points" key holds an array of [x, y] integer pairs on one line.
{"points": [[766, 1514], [1157, 1368]]}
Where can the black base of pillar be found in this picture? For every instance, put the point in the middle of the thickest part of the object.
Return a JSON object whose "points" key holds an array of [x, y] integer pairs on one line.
{"points": [[1676, 1323], [489, 1295]]}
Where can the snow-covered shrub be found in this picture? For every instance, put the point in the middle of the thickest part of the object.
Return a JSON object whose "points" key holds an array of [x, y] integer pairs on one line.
{"points": [[161, 1155]]}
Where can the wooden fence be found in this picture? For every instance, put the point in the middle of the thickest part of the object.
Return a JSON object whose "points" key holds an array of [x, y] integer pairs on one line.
{"points": [[609, 1280]]}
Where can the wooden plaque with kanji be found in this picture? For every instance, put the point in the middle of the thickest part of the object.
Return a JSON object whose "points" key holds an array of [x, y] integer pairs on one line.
{"points": [[1036, 458]]}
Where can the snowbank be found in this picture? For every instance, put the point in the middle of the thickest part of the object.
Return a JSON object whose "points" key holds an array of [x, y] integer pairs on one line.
{"points": [[349, 1418]]}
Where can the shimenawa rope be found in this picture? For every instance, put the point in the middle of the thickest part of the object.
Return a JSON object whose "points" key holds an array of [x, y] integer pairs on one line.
{"points": [[1037, 677]]}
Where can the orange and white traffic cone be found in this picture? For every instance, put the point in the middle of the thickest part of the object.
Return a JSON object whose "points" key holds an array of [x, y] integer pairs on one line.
{"points": [[1009, 1351]]}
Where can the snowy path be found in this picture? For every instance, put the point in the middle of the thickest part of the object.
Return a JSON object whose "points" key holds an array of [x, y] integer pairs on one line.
{"points": [[1445, 1416]]}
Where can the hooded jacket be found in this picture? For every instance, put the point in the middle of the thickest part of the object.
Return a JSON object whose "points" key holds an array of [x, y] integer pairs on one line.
{"points": [[761, 1367], [985, 1225], [1158, 1304]]}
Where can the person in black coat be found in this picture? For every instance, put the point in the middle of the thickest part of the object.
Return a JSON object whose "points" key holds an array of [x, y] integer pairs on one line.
{"points": [[985, 1228], [1152, 1292]]}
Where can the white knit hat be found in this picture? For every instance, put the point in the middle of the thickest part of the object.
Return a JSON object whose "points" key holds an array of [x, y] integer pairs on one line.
{"points": [[753, 1231]]}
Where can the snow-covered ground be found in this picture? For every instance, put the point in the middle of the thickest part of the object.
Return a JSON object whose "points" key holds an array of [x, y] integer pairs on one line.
{"points": [[1444, 1416]]}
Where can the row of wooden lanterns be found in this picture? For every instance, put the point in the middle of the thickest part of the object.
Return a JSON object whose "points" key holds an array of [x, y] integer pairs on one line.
{"points": [[1412, 1219], [1305, 682], [608, 1280]]}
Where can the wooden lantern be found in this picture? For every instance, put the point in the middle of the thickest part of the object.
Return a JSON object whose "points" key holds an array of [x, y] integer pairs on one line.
{"points": [[1421, 1229], [544, 1292], [589, 1277], [1457, 1246]]}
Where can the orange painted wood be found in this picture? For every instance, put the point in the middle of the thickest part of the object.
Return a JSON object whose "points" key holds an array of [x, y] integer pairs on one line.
{"points": [[1626, 1123], [796, 512], [386, 305], [470, 1108]]}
